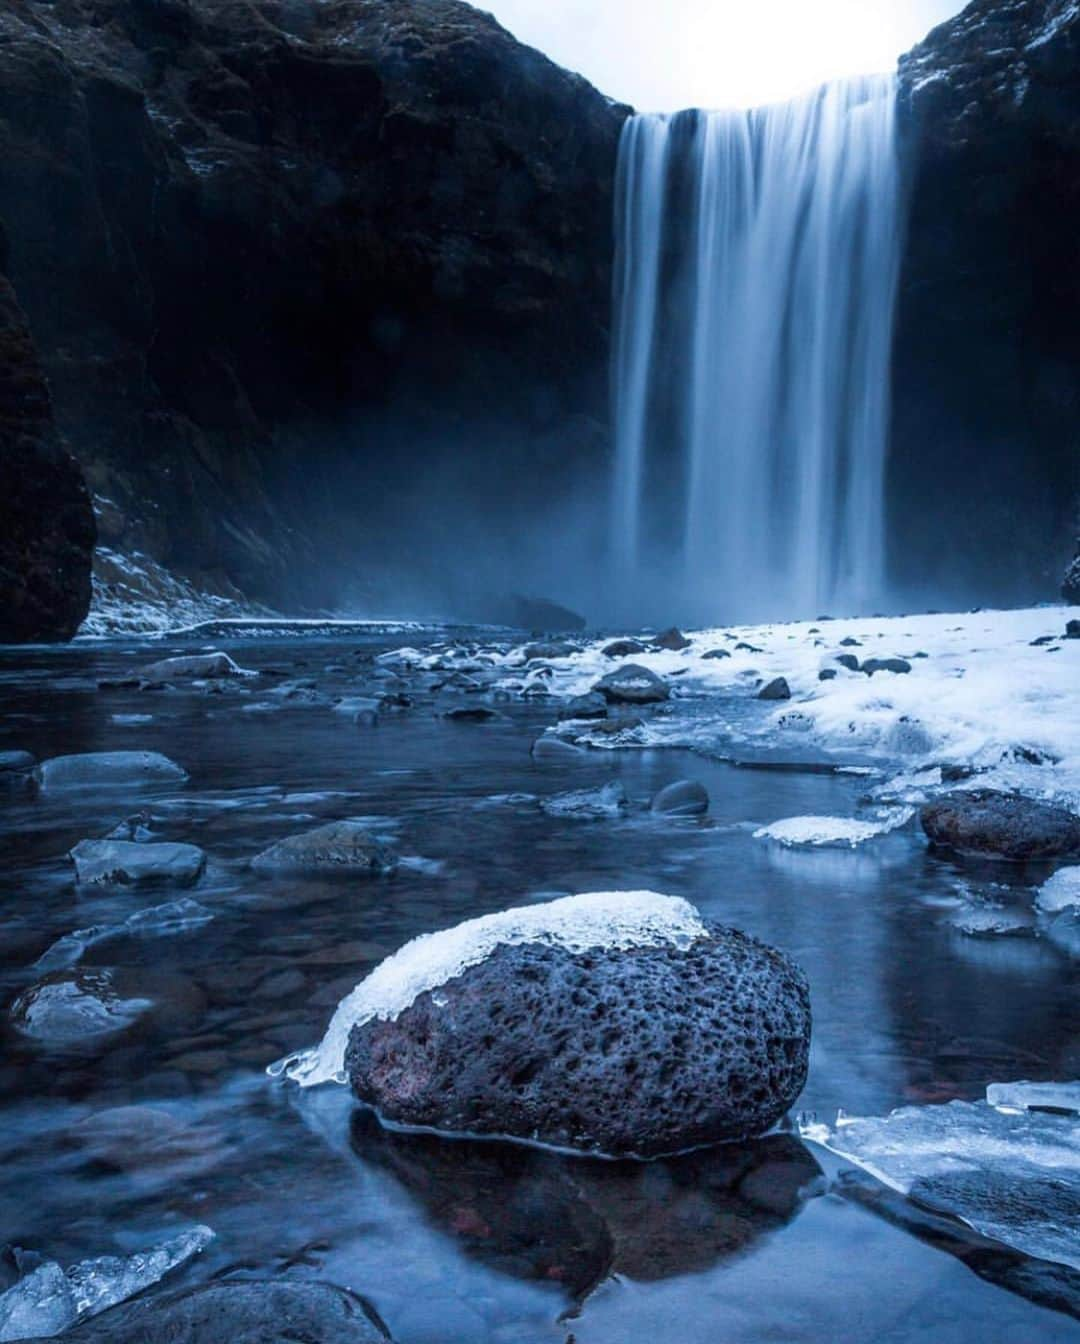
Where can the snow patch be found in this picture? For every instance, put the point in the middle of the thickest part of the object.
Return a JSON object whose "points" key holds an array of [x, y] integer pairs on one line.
{"points": [[1060, 892], [611, 919]]}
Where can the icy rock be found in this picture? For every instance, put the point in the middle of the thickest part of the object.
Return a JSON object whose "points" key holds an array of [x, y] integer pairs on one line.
{"points": [[841, 831], [632, 684], [532, 1023], [68, 1010], [548, 748], [554, 648], [848, 661], [136, 862], [991, 921], [996, 825], [684, 798], [608, 801], [109, 769], [137, 827], [279, 1311], [1060, 891], [899, 666], [715, 655], [157, 921], [195, 667], [778, 689], [48, 1300], [339, 847], [1012, 1175]]}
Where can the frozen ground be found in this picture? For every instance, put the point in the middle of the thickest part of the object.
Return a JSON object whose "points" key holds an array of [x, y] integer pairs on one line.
{"points": [[981, 693]]}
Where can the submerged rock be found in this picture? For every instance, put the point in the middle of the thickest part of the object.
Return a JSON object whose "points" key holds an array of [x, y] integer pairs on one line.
{"points": [[243, 1312], [608, 801], [200, 666], [619, 1023], [136, 862], [996, 825], [109, 769], [778, 689], [339, 847], [632, 684], [65, 1010], [684, 798]]}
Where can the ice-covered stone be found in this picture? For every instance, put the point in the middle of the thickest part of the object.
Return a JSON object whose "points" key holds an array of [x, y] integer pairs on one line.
{"points": [[1012, 1174], [632, 684], [840, 831], [195, 667], [157, 921], [608, 801], [1060, 891], [131, 863], [48, 1300], [338, 847], [109, 769], [684, 798], [68, 1010]]}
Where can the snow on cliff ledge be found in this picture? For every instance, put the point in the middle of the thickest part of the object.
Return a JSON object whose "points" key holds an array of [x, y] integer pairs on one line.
{"points": [[612, 919]]}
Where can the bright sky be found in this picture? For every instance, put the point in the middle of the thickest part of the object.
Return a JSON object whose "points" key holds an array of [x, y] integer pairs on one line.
{"points": [[661, 55]]}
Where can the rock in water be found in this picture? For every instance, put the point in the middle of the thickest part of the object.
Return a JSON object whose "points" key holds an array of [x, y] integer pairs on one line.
{"points": [[47, 530], [591, 706], [617, 1023], [674, 640], [200, 666], [776, 690], [68, 1010], [608, 801], [684, 798], [130, 862], [339, 847], [632, 684], [996, 825], [263, 1312], [109, 769], [623, 648]]}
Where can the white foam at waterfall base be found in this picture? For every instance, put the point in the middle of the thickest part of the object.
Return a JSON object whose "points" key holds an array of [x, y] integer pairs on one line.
{"points": [[614, 919]]}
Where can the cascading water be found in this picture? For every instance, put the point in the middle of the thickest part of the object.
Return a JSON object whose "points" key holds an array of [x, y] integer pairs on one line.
{"points": [[757, 260]]}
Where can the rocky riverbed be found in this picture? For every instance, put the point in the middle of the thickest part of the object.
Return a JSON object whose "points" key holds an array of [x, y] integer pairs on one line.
{"points": [[253, 837]]}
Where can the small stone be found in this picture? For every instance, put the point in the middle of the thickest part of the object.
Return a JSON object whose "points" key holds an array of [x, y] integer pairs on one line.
{"points": [[715, 654], [900, 666], [673, 640], [339, 847], [1072, 630], [684, 798], [847, 660], [132, 863], [623, 648], [549, 748], [827, 674], [553, 648], [777, 689], [471, 714], [591, 706], [850, 643], [194, 667]]}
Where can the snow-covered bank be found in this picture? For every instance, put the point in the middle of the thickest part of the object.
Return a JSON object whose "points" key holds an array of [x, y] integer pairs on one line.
{"points": [[993, 691]]}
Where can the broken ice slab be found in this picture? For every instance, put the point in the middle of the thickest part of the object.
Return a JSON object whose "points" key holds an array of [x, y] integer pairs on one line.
{"points": [[49, 1299], [1012, 1174]]}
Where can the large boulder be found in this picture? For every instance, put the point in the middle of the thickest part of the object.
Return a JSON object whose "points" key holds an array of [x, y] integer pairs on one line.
{"points": [[632, 684], [618, 1023], [241, 1312], [995, 825], [46, 519]]}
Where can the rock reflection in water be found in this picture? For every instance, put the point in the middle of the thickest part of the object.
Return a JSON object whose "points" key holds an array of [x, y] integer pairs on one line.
{"points": [[537, 1215]]}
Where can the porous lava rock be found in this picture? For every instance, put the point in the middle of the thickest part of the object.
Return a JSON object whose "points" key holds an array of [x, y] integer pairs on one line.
{"points": [[47, 530], [640, 1051], [996, 825], [241, 1312]]}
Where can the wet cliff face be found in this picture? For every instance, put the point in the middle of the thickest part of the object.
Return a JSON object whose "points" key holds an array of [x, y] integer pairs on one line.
{"points": [[985, 473], [46, 520], [295, 265]]}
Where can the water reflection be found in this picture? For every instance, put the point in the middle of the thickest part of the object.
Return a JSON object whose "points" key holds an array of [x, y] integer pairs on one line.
{"points": [[536, 1215]]}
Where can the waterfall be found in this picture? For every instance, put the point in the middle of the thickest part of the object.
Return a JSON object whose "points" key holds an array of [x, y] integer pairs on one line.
{"points": [[756, 268]]}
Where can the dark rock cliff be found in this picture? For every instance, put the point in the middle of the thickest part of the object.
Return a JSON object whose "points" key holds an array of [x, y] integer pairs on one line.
{"points": [[985, 478], [46, 519], [297, 267]]}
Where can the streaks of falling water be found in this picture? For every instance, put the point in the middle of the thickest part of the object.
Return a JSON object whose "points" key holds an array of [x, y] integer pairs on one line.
{"points": [[757, 261]]}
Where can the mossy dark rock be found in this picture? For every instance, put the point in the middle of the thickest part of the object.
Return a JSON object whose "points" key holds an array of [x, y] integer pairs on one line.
{"points": [[996, 825], [641, 1052]]}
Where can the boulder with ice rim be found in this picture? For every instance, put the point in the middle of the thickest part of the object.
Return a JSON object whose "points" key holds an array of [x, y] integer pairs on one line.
{"points": [[619, 1023], [109, 769]]}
